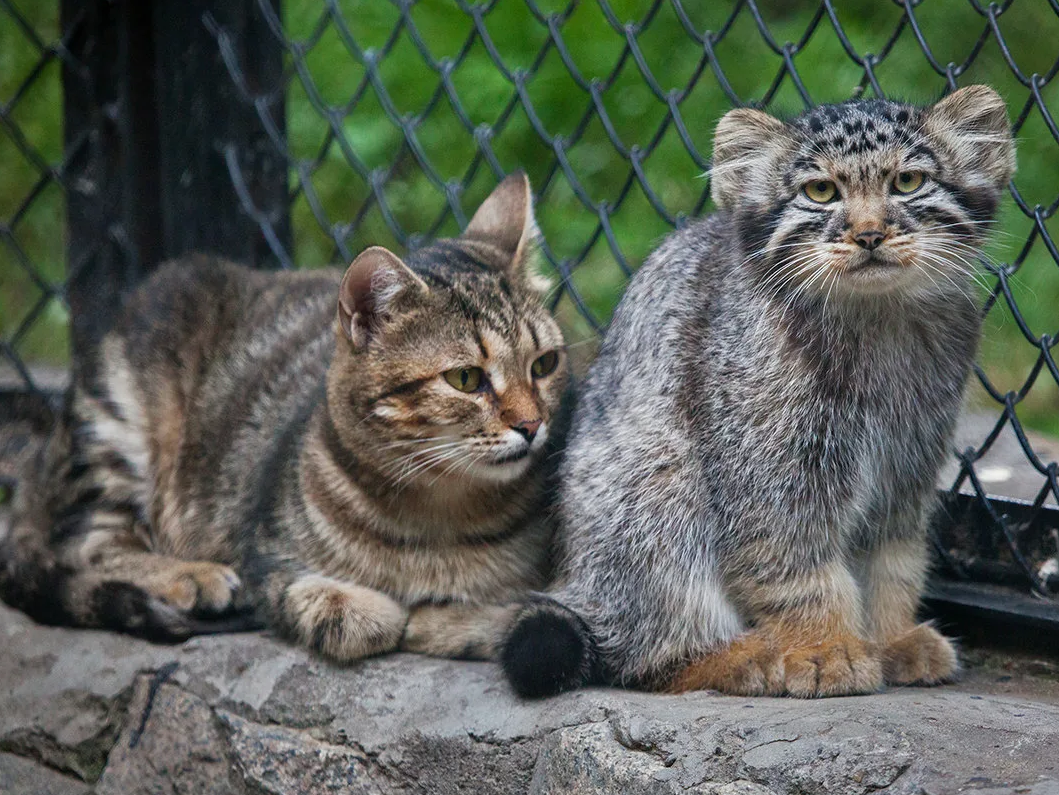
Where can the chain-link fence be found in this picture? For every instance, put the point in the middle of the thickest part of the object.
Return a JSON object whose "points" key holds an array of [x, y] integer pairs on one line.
{"points": [[305, 131], [31, 263]]}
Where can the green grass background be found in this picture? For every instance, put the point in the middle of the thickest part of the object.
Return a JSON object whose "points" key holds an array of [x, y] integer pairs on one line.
{"points": [[331, 73]]}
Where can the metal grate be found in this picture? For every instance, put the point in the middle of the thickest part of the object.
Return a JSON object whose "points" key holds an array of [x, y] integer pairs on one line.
{"points": [[387, 122]]}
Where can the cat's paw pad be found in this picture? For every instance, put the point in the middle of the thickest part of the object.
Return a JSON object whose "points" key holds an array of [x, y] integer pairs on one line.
{"points": [[840, 666], [921, 656], [749, 666], [342, 621], [196, 586]]}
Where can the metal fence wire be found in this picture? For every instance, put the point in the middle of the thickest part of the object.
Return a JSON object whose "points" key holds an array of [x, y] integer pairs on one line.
{"points": [[390, 121]]}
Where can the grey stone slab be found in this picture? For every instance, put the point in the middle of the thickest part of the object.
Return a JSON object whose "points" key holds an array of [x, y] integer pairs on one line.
{"points": [[248, 714], [19, 776]]}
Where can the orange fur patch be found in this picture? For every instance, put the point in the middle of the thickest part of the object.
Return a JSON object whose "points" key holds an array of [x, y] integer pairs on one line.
{"points": [[784, 661], [749, 666]]}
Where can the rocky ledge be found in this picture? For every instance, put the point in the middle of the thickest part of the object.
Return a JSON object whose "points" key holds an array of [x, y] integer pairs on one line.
{"points": [[246, 715]]}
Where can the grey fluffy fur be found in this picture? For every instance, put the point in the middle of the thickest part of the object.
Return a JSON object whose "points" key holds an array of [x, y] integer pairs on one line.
{"points": [[764, 423]]}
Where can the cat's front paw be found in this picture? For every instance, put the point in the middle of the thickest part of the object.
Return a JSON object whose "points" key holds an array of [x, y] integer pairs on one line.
{"points": [[194, 586], [343, 621], [921, 656], [751, 665], [841, 665], [458, 631]]}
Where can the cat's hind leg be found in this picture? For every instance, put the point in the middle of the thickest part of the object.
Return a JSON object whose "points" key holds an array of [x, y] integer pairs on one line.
{"points": [[52, 583], [80, 550], [104, 525], [913, 653]]}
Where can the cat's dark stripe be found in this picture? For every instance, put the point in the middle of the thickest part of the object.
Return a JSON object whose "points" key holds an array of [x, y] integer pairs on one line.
{"points": [[402, 389], [980, 203], [480, 342]]}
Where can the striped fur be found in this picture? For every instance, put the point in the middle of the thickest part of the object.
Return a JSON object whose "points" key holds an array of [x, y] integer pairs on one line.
{"points": [[745, 493], [246, 452]]}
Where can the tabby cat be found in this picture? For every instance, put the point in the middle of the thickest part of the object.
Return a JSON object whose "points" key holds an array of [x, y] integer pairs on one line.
{"points": [[752, 462], [359, 460]]}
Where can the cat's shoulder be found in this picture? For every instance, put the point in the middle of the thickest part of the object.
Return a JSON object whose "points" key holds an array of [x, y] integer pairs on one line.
{"points": [[699, 247], [691, 258]]}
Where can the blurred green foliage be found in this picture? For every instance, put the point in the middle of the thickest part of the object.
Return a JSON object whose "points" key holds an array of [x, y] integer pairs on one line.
{"points": [[333, 71], [32, 205]]}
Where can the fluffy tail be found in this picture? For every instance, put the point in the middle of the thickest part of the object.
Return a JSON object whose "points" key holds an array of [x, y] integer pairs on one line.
{"points": [[549, 649]]}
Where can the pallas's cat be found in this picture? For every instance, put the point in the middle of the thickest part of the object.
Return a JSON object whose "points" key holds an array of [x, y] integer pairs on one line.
{"points": [[752, 463], [335, 452]]}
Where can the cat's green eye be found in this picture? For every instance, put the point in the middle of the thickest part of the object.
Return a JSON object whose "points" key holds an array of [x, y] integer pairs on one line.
{"points": [[908, 181], [545, 364], [820, 191], [465, 379]]}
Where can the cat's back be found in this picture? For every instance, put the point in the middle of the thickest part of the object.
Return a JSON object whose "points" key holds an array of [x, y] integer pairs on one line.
{"points": [[631, 422], [206, 364], [209, 308], [222, 348]]}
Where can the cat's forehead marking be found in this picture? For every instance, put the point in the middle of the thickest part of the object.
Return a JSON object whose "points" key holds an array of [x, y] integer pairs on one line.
{"points": [[856, 137]]}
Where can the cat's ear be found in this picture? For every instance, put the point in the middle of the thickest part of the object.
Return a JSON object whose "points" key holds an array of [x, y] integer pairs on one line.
{"points": [[743, 143], [505, 220], [971, 124], [373, 284]]}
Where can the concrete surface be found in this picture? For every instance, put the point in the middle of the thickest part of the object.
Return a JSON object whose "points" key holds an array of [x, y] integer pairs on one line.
{"points": [[245, 715]]}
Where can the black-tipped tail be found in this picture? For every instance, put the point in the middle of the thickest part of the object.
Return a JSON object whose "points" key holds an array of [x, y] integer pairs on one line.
{"points": [[549, 649]]}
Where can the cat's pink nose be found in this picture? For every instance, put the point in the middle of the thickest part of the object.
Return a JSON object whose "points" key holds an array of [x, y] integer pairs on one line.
{"points": [[870, 239], [527, 429]]}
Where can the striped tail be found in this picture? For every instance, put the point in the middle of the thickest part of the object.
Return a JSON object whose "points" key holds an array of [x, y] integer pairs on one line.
{"points": [[26, 420], [549, 649]]}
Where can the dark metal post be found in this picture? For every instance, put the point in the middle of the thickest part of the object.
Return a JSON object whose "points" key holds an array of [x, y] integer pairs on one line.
{"points": [[200, 114], [149, 113], [111, 153]]}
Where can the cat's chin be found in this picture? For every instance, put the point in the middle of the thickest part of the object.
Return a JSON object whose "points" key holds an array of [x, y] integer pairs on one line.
{"points": [[503, 470], [876, 279], [875, 274]]}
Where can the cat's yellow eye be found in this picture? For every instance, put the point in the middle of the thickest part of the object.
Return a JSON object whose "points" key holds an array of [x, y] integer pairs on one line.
{"points": [[820, 191], [908, 181], [465, 379], [545, 364]]}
